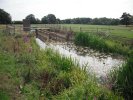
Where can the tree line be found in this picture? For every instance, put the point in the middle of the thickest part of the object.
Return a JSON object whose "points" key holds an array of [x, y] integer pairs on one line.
{"points": [[125, 19]]}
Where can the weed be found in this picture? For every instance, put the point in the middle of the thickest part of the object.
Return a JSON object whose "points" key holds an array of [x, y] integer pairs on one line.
{"points": [[98, 43], [122, 79]]}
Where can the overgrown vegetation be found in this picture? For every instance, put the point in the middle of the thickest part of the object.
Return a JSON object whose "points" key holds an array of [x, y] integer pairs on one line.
{"points": [[122, 79], [103, 45], [30, 73]]}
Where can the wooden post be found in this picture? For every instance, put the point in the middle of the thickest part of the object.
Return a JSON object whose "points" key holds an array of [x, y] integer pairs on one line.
{"points": [[80, 29], [36, 31], [14, 29], [109, 29], [97, 30], [70, 29]]}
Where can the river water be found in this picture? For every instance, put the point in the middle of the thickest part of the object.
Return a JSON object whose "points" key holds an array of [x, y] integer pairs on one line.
{"points": [[97, 63]]}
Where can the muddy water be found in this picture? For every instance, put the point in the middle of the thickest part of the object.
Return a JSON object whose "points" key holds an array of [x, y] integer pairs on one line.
{"points": [[97, 63]]}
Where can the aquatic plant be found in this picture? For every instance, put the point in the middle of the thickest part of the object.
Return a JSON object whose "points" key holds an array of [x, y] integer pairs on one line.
{"points": [[100, 44], [122, 80], [51, 76]]}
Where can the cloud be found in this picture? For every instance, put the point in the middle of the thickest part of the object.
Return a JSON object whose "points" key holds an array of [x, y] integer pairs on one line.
{"points": [[19, 9]]}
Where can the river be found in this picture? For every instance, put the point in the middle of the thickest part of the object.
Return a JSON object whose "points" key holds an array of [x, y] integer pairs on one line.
{"points": [[97, 63]]}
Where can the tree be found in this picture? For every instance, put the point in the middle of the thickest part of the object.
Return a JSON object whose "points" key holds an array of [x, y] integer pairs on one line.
{"points": [[44, 20], [5, 17], [38, 21], [115, 22], [58, 21], [126, 18], [51, 18], [17, 22], [32, 18]]}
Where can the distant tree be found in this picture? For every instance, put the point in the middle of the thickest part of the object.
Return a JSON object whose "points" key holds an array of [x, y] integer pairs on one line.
{"points": [[132, 20], [85, 20], [32, 18], [68, 21], [126, 18], [115, 22], [51, 19], [17, 22], [38, 21], [5, 17], [58, 21], [96, 21], [44, 20]]}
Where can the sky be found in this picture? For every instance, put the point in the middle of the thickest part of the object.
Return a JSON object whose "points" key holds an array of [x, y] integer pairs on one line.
{"points": [[64, 9]]}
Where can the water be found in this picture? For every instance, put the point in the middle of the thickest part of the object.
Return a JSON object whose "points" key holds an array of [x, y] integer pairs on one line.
{"points": [[97, 63]]}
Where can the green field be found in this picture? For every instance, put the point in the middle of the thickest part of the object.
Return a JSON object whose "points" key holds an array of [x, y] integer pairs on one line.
{"points": [[120, 30]]}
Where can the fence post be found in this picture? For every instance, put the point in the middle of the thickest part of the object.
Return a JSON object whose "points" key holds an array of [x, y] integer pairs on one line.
{"points": [[80, 29], [109, 29], [14, 29], [36, 31], [97, 30], [70, 29]]}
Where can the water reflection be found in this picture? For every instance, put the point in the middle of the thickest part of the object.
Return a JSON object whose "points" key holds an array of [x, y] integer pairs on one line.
{"points": [[98, 63]]}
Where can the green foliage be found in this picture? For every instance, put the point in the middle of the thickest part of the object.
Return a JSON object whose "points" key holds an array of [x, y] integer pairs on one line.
{"points": [[122, 79], [31, 18], [87, 91], [94, 21], [48, 75], [5, 17], [85, 39], [49, 19], [98, 43], [60, 62], [126, 19], [4, 95]]}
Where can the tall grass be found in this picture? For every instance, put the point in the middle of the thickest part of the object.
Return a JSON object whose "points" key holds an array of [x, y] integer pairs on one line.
{"points": [[51, 76], [70, 81], [122, 79], [98, 43], [4, 95]]}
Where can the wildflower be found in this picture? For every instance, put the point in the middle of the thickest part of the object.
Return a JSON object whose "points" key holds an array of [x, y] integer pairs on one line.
{"points": [[25, 38]]}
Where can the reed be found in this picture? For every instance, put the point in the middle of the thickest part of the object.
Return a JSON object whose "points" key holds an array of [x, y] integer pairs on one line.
{"points": [[100, 44], [51, 75], [122, 79]]}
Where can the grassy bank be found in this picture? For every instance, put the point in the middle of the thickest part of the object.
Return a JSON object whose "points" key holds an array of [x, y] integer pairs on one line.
{"points": [[103, 45], [122, 79], [26, 72]]}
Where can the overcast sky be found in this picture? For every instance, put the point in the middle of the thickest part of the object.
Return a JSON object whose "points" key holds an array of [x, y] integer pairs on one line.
{"points": [[63, 9]]}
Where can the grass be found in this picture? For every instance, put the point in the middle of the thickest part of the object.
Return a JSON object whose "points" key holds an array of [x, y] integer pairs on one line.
{"points": [[103, 45], [4, 95], [119, 30], [122, 79], [44, 74]]}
